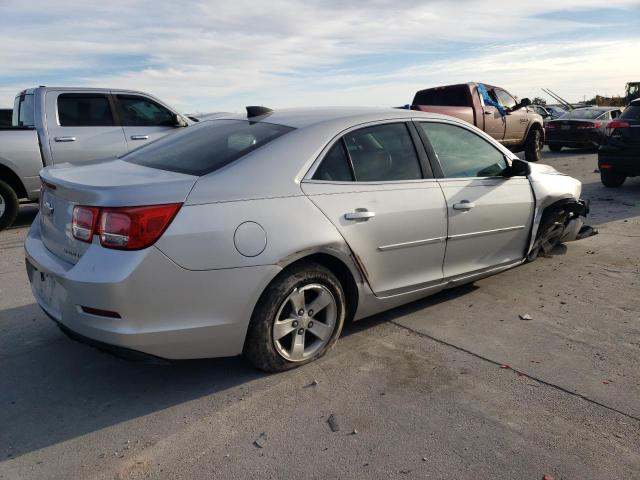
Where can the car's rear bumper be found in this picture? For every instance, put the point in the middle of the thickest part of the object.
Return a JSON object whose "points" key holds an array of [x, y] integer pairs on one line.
{"points": [[164, 310], [625, 161], [574, 139]]}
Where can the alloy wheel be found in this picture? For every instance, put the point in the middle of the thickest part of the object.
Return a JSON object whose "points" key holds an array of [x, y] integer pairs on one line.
{"points": [[3, 206], [305, 322]]}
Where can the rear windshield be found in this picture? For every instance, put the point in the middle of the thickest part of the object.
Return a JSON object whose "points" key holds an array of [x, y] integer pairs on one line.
{"points": [[585, 113], [449, 97], [207, 146], [632, 112]]}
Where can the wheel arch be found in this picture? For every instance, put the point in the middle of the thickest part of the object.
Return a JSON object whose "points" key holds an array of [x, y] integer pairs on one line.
{"points": [[13, 180], [337, 262]]}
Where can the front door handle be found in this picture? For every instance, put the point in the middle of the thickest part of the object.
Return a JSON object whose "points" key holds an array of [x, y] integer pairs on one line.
{"points": [[360, 214], [139, 137], [65, 139], [464, 205]]}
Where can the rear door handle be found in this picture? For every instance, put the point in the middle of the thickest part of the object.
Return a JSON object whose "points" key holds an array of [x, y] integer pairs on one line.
{"points": [[464, 205], [139, 137], [360, 214], [65, 139]]}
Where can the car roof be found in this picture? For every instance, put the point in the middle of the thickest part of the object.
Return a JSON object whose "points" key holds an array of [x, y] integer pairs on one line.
{"points": [[604, 109], [306, 117]]}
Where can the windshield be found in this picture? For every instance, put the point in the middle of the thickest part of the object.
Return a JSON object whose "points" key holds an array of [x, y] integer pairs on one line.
{"points": [[586, 113], [206, 146]]}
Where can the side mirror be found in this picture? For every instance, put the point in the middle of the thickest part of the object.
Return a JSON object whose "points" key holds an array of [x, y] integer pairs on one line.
{"points": [[525, 102], [179, 121], [518, 168]]}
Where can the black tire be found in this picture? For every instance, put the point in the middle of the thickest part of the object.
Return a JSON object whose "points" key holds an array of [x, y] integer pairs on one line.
{"points": [[533, 146], [611, 179], [259, 346], [8, 200], [549, 232], [555, 148]]}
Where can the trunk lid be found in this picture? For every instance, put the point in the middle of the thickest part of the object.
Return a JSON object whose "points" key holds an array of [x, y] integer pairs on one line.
{"points": [[114, 183]]}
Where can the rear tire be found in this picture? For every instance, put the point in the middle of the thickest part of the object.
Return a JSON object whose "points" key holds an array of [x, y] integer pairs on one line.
{"points": [[612, 179], [278, 314], [8, 205], [533, 146], [555, 148]]}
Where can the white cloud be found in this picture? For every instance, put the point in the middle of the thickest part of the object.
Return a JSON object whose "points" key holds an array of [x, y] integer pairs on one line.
{"points": [[207, 55]]}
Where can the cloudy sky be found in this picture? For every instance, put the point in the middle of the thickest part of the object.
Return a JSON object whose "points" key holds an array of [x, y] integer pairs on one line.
{"points": [[221, 55]]}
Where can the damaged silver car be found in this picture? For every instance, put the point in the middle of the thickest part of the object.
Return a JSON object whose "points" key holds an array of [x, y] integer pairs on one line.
{"points": [[263, 233]]}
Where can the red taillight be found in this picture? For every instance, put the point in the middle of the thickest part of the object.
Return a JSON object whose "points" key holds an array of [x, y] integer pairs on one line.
{"points": [[124, 228], [83, 222], [618, 124], [134, 228]]}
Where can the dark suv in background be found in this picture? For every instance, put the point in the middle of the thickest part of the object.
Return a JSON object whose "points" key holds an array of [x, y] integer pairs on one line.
{"points": [[619, 154]]}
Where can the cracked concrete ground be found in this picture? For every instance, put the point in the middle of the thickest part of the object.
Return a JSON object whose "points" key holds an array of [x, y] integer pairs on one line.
{"points": [[416, 392]]}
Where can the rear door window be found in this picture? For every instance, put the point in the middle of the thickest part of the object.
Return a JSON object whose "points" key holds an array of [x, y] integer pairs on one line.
{"points": [[84, 110], [206, 146], [456, 96], [383, 153], [138, 111], [336, 165], [462, 153]]}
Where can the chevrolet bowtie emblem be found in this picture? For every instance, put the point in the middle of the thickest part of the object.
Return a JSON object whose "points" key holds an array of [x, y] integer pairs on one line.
{"points": [[47, 208]]}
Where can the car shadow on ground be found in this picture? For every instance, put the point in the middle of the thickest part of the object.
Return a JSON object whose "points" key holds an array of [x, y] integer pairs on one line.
{"points": [[56, 389]]}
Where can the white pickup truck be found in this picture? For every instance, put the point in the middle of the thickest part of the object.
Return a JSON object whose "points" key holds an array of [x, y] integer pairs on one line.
{"points": [[59, 125]]}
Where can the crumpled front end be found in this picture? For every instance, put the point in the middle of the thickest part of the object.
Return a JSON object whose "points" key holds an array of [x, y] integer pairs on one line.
{"points": [[560, 212]]}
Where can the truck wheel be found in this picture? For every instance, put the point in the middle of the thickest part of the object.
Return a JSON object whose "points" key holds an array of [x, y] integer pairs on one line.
{"points": [[533, 146], [555, 148], [297, 319], [8, 205], [612, 179]]}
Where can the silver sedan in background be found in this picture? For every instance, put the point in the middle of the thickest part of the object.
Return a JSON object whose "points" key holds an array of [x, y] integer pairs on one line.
{"points": [[263, 233]]}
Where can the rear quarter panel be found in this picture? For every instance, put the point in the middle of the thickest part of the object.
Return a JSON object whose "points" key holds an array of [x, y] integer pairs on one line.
{"points": [[203, 237], [20, 153]]}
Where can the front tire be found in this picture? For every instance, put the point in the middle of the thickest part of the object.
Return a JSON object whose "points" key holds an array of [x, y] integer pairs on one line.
{"points": [[533, 146], [8, 205], [549, 233], [298, 318], [611, 179]]}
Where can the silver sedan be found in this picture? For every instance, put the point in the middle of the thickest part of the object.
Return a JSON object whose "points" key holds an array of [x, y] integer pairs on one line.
{"points": [[264, 233]]}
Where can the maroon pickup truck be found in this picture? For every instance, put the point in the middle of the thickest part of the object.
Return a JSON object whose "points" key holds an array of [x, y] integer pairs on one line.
{"points": [[491, 109]]}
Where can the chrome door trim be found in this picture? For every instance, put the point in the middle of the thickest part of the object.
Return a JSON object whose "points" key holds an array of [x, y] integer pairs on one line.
{"points": [[415, 243], [485, 232]]}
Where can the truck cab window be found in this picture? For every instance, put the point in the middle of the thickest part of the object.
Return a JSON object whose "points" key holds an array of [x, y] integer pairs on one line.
{"points": [[505, 99], [84, 110], [138, 111]]}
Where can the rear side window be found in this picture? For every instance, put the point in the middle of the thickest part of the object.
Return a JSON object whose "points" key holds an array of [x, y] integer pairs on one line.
{"points": [[84, 110], [457, 96], [461, 153], [143, 112], [23, 113], [632, 112], [207, 146]]}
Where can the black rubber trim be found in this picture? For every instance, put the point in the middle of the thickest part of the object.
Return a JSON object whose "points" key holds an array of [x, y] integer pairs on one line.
{"points": [[120, 352]]}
